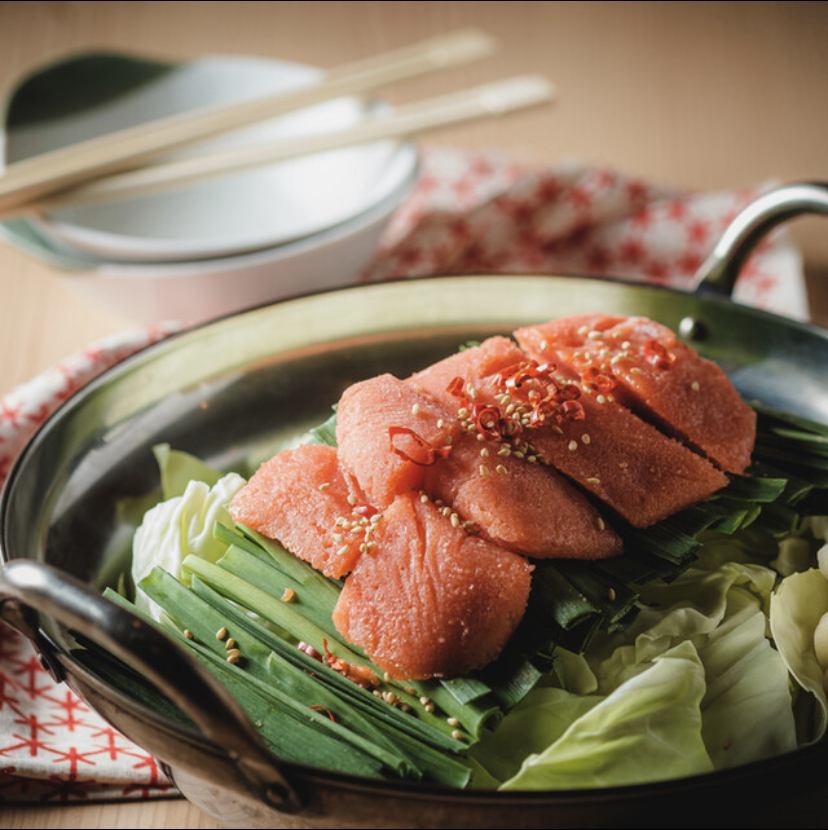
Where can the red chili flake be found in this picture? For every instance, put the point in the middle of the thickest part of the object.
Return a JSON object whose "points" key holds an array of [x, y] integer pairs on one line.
{"points": [[319, 708], [596, 379], [569, 392], [430, 453], [360, 675], [574, 410], [657, 355], [456, 387], [309, 650]]}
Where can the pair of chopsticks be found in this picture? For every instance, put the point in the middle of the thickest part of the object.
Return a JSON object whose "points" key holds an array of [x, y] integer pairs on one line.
{"points": [[118, 165]]}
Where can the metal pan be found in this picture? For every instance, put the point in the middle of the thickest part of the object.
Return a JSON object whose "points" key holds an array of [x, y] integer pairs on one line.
{"points": [[230, 391]]}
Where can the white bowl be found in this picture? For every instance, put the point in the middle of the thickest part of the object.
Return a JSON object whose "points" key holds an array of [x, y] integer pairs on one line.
{"points": [[197, 291], [247, 211]]}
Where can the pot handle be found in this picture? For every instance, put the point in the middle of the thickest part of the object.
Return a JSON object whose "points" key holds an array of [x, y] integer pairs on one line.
{"points": [[719, 271], [26, 585]]}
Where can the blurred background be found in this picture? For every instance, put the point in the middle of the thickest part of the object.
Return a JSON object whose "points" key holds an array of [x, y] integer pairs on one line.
{"points": [[698, 95]]}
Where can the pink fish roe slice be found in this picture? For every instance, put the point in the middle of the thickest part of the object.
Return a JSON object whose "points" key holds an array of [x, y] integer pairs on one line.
{"points": [[297, 498], [430, 600], [657, 375]]}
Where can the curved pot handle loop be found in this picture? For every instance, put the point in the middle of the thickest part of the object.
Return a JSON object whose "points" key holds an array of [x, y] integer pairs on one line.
{"points": [[166, 665], [718, 273]]}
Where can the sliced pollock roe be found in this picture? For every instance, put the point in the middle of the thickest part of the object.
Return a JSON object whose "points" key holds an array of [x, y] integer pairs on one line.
{"points": [[301, 499], [629, 465], [519, 505], [386, 432], [657, 375], [430, 600]]}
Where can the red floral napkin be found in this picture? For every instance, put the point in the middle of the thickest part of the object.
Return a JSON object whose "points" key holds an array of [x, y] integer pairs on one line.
{"points": [[469, 213]]}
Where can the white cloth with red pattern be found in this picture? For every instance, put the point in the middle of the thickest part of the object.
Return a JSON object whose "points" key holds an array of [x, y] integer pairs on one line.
{"points": [[469, 213]]}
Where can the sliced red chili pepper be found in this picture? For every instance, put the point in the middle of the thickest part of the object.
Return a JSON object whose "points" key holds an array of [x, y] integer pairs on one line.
{"points": [[319, 708], [430, 453], [657, 355], [574, 410], [596, 379], [456, 387]]}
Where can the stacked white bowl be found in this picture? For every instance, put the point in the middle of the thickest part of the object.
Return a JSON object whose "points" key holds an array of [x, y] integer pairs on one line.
{"points": [[221, 245]]}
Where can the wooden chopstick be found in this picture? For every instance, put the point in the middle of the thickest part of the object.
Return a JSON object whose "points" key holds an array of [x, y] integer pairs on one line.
{"points": [[125, 149], [485, 101]]}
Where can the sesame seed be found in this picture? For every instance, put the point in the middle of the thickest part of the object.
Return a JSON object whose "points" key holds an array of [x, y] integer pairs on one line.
{"points": [[352, 499], [221, 633], [452, 722], [455, 520], [440, 423], [519, 454], [601, 399], [616, 360], [324, 485], [636, 371], [544, 345], [259, 724], [601, 524], [611, 398], [585, 438], [510, 409], [501, 469], [572, 446], [611, 595], [405, 707], [445, 511], [532, 459], [188, 634], [457, 735], [484, 453], [415, 410], [429, 707], [386, 677], [582, 330], [625, 344], [471, 391], [231, 643], [370, 545], [377, 516], [288, 595], [423, 498], [342, 551], [481, 436], [484, 470], [425, 700], [410, 690], [233, 656], [695, 386], [462, 412], [439, 502], [593, 480], [504, 451], [594, 335], [363, 548], [377, 693], [342, 522]]}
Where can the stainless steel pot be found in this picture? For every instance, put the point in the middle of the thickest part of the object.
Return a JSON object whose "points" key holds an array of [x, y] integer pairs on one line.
{"points": [[230, 390]]}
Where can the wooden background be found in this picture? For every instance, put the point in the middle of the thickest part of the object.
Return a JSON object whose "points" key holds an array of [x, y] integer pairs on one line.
{"points": [[701, 95]]}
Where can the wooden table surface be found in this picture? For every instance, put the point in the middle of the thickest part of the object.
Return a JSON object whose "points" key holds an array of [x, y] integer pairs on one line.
{"points": [[701, 95]]}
